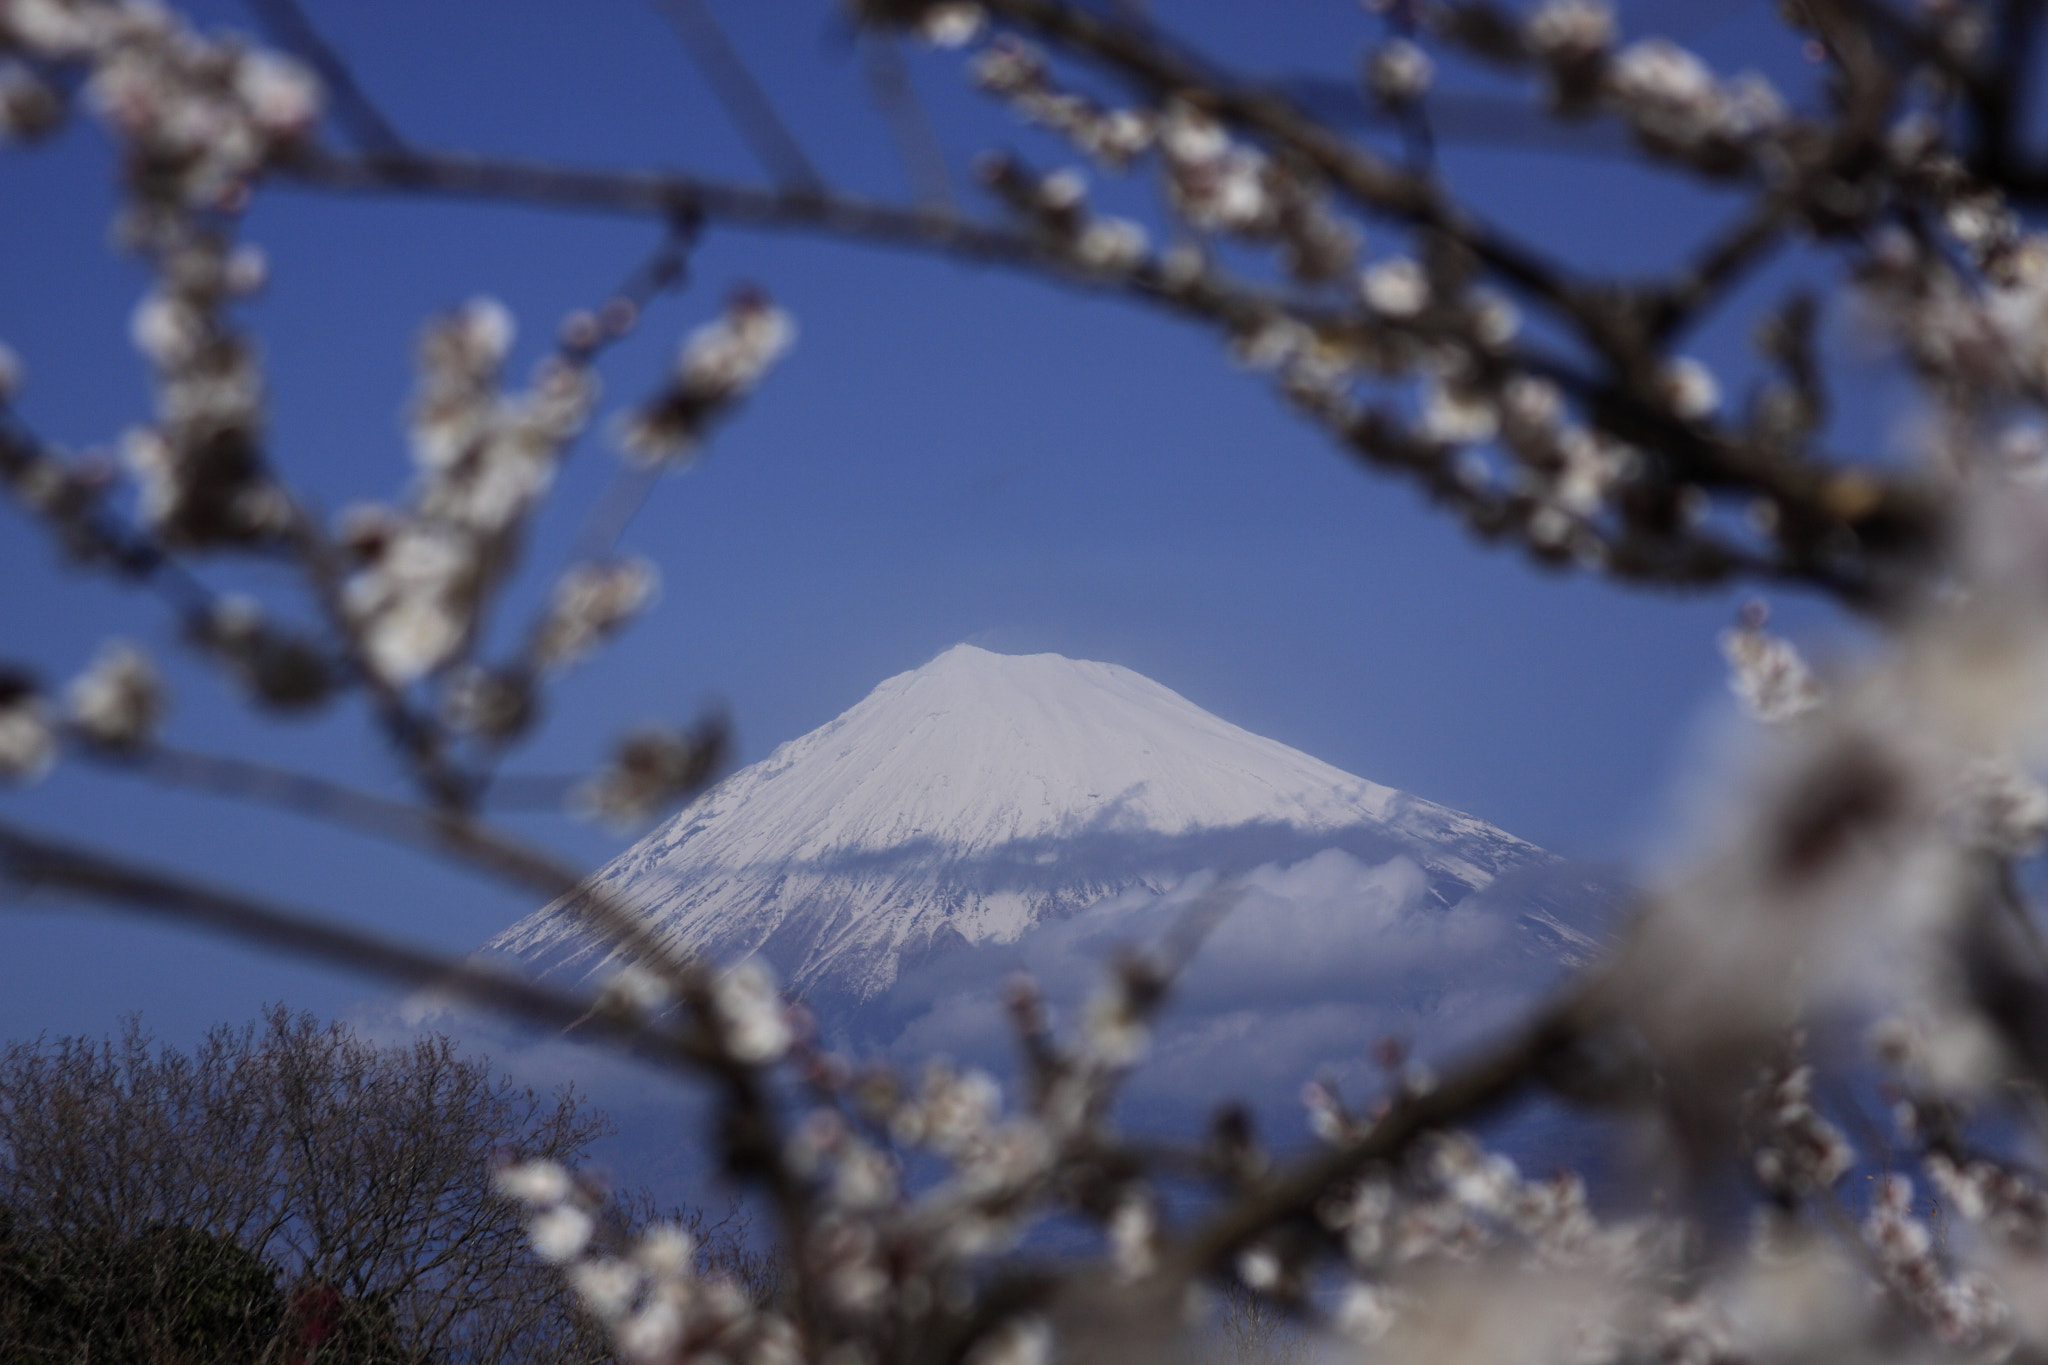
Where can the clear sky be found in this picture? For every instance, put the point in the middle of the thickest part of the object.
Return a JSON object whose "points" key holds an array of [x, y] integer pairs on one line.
{"points": [[948, 454]]}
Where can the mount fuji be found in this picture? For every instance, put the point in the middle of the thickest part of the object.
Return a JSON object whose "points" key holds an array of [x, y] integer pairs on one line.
{"points": [[990, 812]]}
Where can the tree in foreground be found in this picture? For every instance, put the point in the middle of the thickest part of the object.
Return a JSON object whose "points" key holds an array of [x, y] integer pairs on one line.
{"points": [[1871, 856], [285, 1191]]}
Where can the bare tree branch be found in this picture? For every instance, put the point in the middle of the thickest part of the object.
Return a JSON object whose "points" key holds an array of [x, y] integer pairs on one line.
{"points": [[33, 862]]}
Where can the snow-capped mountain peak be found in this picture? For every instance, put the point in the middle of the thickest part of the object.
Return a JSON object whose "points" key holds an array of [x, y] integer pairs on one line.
{"points": [[966, 800]]}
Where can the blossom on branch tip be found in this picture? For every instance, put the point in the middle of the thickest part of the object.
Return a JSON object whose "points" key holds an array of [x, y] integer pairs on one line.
{"points": [[1399, 73], [1767, 673], [592, 601], [119, 701], [719, 364], [492, 704], [650, 768]]}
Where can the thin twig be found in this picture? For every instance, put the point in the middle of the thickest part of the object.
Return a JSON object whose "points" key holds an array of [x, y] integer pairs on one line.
{"points": [[624, 495], [924, 160], [35, 862], [289, 27], [744, 99]]}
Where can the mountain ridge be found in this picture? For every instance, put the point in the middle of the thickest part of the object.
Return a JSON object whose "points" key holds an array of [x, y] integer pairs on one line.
{"points": [[964, 801]]}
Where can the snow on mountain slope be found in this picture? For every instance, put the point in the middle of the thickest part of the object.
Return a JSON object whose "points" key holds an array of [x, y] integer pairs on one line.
{"points": [[967, 800]]}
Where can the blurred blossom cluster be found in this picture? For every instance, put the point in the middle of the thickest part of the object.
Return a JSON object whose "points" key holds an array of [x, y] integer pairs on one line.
{"points": [[659, 1304]]}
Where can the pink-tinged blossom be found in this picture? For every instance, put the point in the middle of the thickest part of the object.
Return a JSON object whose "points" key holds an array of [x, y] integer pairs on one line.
{"points": [[1794, 1151]]}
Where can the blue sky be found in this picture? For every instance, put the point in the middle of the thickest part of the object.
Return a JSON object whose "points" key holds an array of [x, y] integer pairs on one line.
{"points": [[948, 454]]}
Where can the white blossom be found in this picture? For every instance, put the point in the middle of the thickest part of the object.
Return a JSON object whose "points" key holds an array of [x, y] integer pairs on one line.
{"points": [[664, 1250], [606, 1286], [1131, 1231], [281, 95], [1020, 1341], [591, 602], [28, 743], [1395, 288], [719, 364], [650, 1336], [1768, 674], [2001, 808], [541, 1184], [635, 992], [53, 29], [1400, 72], [729, 356], [751, 1014], [1570, 29], [119, 701], [1111, 244], [1690, 388], [952, 24], [1456, 415], [560, 1233]]}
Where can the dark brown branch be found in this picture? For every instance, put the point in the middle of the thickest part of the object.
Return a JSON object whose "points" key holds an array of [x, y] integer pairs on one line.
{"points": [[1889, 520], [75, 509], [1467, 1093], [1162, 71], [34, 862], [643, 194]]}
